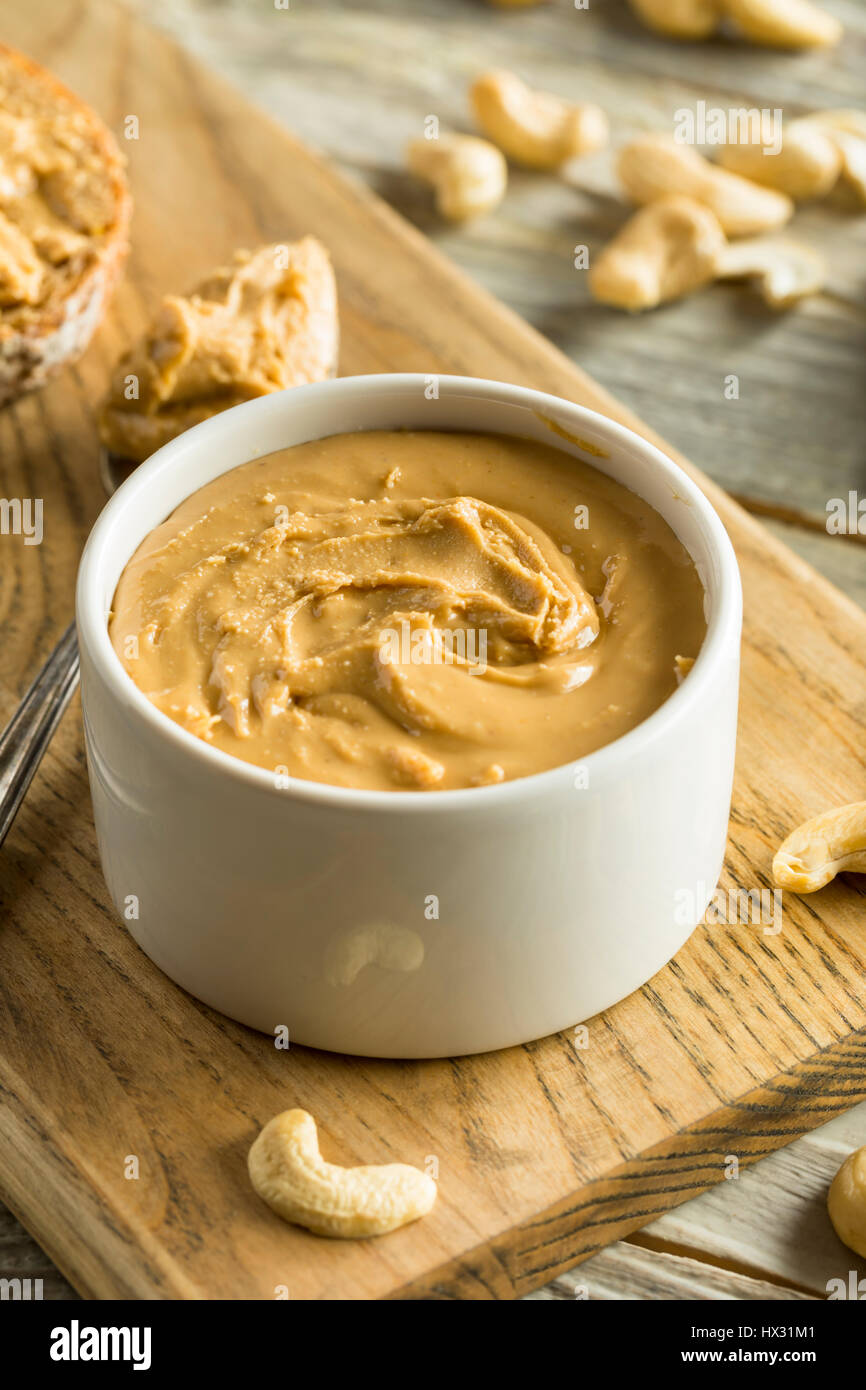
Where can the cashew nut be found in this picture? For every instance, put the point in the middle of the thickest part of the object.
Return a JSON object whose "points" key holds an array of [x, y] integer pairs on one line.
{"points": [[535, 128], [288, 1172], [846, 1202], [780, 23], [853, 152], [807, 165], [783, 23], [666, 250], [830, 844], [847, 130], [846, 121], [468, 174], [786, 271], [653, 166], [680, 19]]}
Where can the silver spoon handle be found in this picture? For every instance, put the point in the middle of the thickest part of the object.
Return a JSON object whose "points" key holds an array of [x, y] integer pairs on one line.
{"points": [[26, 737]]}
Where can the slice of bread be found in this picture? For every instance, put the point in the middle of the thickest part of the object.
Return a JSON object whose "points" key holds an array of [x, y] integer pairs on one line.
{"points": [[64, 218]]}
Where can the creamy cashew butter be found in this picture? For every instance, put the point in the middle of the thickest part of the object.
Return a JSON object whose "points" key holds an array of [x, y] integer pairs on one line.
{"points": [[401, 610], [265, 322], [58, 189], [64, 216]]}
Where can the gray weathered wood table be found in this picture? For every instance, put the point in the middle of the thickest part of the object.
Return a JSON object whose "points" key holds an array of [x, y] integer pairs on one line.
{"points": [[363, 76]]}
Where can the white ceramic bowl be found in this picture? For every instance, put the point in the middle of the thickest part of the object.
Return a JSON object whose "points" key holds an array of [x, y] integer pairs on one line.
{"points": [[316, 907]]}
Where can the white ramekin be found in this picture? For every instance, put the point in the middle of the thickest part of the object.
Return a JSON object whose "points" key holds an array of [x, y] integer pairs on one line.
{"points": [[410, 924]]}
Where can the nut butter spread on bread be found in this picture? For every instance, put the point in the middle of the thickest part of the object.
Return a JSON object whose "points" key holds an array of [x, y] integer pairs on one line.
{"points": [[64, 216], [265, 322]]}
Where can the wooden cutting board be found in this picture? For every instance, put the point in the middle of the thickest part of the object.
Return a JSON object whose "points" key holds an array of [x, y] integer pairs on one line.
{"points": [[545, 1152]]}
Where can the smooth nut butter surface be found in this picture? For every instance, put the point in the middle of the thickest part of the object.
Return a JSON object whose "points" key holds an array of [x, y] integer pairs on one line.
{"points": [[400, 610]]}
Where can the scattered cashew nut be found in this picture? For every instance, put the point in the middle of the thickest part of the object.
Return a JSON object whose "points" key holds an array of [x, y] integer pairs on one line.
{"points": [[847, 119], [807, 165], [680, 19], [786, 271], [783, 23], [847, 130], [830, 844], [468, 174], [816, 151], [853, 151], [669, 248], [779, 23], [288, 1172], [675, 245], [653, 166], [535, 128], [846, 1202]]}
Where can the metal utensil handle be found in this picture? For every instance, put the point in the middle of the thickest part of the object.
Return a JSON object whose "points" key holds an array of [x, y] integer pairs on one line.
{"points": [[26, 737]]}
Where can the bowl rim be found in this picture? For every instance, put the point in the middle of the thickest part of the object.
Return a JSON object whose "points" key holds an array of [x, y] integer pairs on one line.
{"points": [[723, 629]]}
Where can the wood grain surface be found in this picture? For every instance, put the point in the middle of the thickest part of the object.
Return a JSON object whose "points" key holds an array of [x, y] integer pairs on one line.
{"points": [[763, 1234], [546, 1152]]}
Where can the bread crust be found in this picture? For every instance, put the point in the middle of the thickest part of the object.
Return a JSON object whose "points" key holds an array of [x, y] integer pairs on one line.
{"points": [[59, 333]]}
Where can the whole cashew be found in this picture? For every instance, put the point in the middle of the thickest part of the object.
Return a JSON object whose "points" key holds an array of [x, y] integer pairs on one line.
{"points": [[783, 23], [830, 844], [807, 165], [653, 166], [846, 1202], [469, 175], [853, 152], [850, 121], [780, 23], [786, 271], [288, 1172], [681, 19], [847, 130], [666, 250], [535, 128]]}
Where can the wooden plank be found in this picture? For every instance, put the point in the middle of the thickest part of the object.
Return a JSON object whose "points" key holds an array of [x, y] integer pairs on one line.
{"points": [[772, 1221], [627, 1272], [843, 563], [545, 1153], [22, 1259]]}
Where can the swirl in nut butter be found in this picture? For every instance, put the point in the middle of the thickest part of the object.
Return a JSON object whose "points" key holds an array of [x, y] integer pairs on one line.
{"points": [[396, 610]]}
